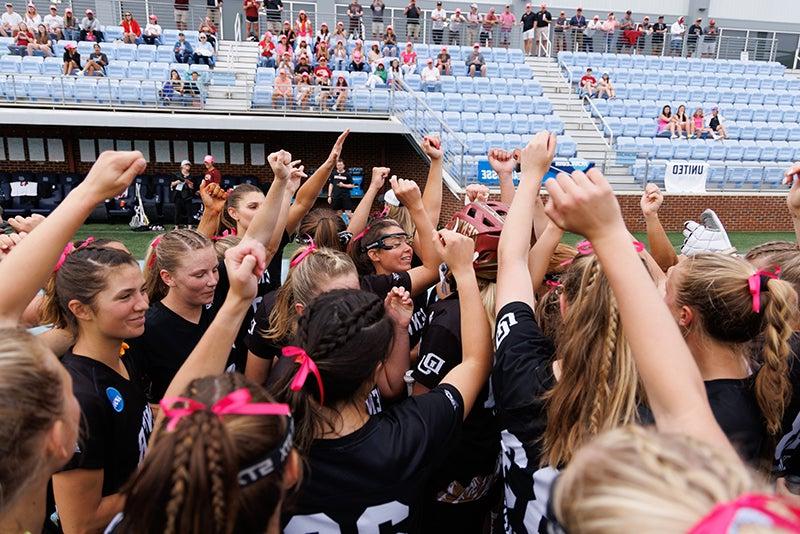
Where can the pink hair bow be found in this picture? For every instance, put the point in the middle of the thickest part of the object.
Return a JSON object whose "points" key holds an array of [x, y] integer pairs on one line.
{"points": [[153, 256], [757, 282], [586, 248], [234, 403], [723, 517], [361, 234], [69, 249], [306, 365], [224, 234], [309, 249]]}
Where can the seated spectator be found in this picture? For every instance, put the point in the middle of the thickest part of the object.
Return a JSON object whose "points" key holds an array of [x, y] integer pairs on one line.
{"points": [[682, 121], [183, 50], [303, 67], [340, 56], [340, 91], [588, 84], [378, 77], [666, 122], [72, 59], [9, 21], [172, 90], [304, 50], [323, 83], [71, 28], [605, 89], [96, 64], [323, 36], [193, 89], [204, 53], [339, 36], [41, 42], [54, 24], [323, 69], [23, 37], [90, 28], [715, 124], [444, 62], [409, 59], [283, 46], [395, 72], [358, 47], [286, 62], [304, 91], [152, 32], [374, 56], [390, 42], [431, 77], [289, 33], [476, 62], [266, 51], [697, 125], [282, 89], [207, 27], [357, 63], [131, 31]]}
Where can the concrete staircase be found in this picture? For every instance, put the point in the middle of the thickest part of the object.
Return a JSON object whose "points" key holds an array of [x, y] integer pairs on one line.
{"points": [[578, 123], [240, 57]]}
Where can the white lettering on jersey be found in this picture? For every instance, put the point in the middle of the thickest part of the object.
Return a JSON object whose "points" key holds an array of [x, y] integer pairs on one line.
{"points": [[252, 327], [145, 430], [788, 443], [417, 321], [452, 400], [256, 302], [313, 523], [373, 521], [430, 363], [231, 368], [504, 327]]}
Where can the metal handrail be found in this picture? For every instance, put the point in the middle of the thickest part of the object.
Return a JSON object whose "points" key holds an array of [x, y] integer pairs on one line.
{"points": [[796, 57], [610, 141]]}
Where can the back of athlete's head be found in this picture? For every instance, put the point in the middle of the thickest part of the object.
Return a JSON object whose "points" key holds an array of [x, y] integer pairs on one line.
{"points": [[774, 254], [323, 226], [402, 216], [347, 334], [189, 480], [168, 252]]}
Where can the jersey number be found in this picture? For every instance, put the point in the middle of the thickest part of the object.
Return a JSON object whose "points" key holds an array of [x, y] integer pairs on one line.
{"points": [[374, 520]]}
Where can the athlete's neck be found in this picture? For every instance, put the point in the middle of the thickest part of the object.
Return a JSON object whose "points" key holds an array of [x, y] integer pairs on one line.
{"points": [[240, 229], [347, 418], [102, 348], [717, 360], [27, 512], [190, 312], [379, 269]]}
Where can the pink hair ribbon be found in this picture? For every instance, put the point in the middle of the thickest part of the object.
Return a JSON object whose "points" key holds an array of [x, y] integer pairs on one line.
{"points": [[552, 284], [309, 249], [234, 403], [586, 248], [361, 234], [306, 365], [69, 249], [758, 283], [384, 213], [723, 517], [153, 255], [224, 234]]}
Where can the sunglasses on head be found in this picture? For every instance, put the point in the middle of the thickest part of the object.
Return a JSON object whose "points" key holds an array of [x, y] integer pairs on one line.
{"points": [[390, 241]]}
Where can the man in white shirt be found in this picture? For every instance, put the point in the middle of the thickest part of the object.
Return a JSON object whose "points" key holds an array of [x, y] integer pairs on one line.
{"points": [[9, 21], [54, 23], [676, 37], [431, 77], [438, 16]]}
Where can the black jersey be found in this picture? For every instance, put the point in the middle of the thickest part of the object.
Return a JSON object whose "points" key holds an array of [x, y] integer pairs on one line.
{"points": [[787, 452], [470, 470], [340, 178], [115, 416], [254, 340], [735, 408], [373, 479], [381, 284], [522, 374]]}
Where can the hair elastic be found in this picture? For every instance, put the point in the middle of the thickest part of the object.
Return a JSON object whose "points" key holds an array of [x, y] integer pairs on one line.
{"points": [[758, 282], [224, 234], [153, 256], [723, 517], [309, 249], [69, 249], [306, 365]]}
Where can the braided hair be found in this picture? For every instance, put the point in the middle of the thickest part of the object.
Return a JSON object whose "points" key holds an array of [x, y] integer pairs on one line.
{"points": [[347, 334]]}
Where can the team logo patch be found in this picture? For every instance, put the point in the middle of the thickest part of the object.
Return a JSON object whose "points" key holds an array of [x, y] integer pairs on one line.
{"points": [[115, 397], [504, 327], [430, 363]]}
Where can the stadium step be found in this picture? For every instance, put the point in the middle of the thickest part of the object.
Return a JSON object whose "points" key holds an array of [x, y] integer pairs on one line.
{"points": [[239, 57]]}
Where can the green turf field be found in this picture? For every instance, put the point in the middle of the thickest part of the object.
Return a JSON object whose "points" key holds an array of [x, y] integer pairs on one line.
{"points": [[137, 241]]}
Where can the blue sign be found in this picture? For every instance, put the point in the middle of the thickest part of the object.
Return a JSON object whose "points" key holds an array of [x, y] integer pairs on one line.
{"points": [[486, 174]]}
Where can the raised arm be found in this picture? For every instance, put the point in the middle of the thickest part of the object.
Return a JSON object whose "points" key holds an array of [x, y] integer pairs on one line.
{"points": [[407, 192], [540, 254], [399, 307], [793, 200], [513, 277], [585, 204], [432, 195], [660, 247], [30, 263], [213, 197], [264, 225], [503, 164], [361, 214]]}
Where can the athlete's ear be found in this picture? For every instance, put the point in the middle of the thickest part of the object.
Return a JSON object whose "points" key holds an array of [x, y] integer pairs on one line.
{"points": [[373, 255], [166, 277], [56, 445], [562, 304], [292, 471], [83, 312], [299, 308], [686, 317], [232, 213]]}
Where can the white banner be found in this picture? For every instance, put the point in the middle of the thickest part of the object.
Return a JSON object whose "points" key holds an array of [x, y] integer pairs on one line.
{"points": [[686, 177]]}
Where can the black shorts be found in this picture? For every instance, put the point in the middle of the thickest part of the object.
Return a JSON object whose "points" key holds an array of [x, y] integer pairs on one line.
{"points": [[252, 19], [343, 203]]}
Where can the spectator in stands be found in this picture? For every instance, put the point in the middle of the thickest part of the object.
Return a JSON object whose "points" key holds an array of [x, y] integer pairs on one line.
{"points": [[204, 53], [193, 89], [697, 125], [286, 62], [507, 21], [444, 62], [183, 50], [323, 82], [577, 24], [213, 8], [282, 89], [72, 59], [390, 42], [588, 84], [412, 13], [303, 67], [304, 91], [474, 21], [289, 33], [490, 20], [409, 59], [605, 89], [273, 9], [560, 28], [266, 51], [457, 22], [54, 24], [208, 27], [131, 31], [283, 46], [682, 121], [339, 35], [715, 124], [23, 36], [304, 50], [183, 188], [322, 68], [709, 45], [542, 27], [340, 56], [379, 76], [303, 27], [323, 38], [693, 37], [666, 122], [90, 27], [395, 72], [212, 174], [251, 28], [676, 33], [181, 14], [32, 17], [645, 28], [9, 21], [438, 20], [659, 30], [594, 26], [340, 91], [476, 64], [431, 77], [172, 91], [71, 29], [625, 25], [377, 8], [152, 31], [374, 56], [610, 26], [355, 12], [97, 62], [41, 42]]}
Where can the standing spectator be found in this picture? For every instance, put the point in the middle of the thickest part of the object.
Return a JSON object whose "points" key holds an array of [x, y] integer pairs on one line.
{"points": [[41, 42], [626, 24], [97, 62], [646, 28], [676, 37], [131, 31], [715, 124], [390, 42], [273, 9], [409, 59], [9, 21], [340, 56], [431, 77], [528, 21], [289, 33], [355, 12], [542, 28], [578, 25], [457, 21], [181, 12], [282, 89], [32, 17], [507, 21], [594, 26], [152, 32], [183, 50], [340, 91], [444, 62], [588, 83], [659, 30], [90, 27], [560, 32], [379, 76], [693, 36], [213, 7], [476, 64], [54, 24], [207, 27], [266, 51], [71, 28], [377, 8], [303, 27], [490, 20], [709, 46], [412, 13], [72, 59], [251, 28], [438, 18], [183, 188], [212, 175], [474, 21], [339, 186], [204, 53], [610, 26]]}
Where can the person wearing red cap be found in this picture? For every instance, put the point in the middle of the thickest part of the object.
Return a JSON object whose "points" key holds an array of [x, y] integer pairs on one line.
{"points": [[282, 89], [476, 62], [212, 174], [456, 27], [431, 77], [709, 45], [266, 51], [71, 29], [90, 27], [54, 23], [390, 42], [303, 28], [32, 17], [72, 59], [131, 31], [444, 62], [676, 33], [490, 20]]}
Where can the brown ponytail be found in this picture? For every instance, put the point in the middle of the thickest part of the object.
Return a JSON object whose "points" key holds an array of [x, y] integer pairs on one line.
{"points": [[323, 225]]}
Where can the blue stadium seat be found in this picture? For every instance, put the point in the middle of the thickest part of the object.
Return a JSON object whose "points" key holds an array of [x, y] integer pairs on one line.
{"points": [[735, 152], [146, 52], [542, 106], [465, 84], [469, 121], [773, 177], [494, 140], [759, 114], [448, 84], [524, 72], [159, 71], [635, 92], [52, 66], [500, 55], [519, 123], [476, 144], [734, 129], [736, 176], [536, 124], [794, 133], [516, 87], [148, 93], [769, 151], [666, 93], [512, 141], [10, 64], [507, 104], [507, 70], [471, 102], [86, 89], [413, 81], [700, 149], [453, 102], [486, 122], [492, 70], [554, 124], [533, 88], [626, 144], [379, 100], [138, 70], [785, 98], [266, 76], [490, 104], [717, 151], [783, 151], [126, 52], [638, 77], [763, 131], [129, 91], [40, 88], [482, 86], [566, 147], [117, 69], [32, 65], [524, 104], [747, 131], [115, 32], [683, 150], [435, 101], [616, 108], [780, 132], [630, 127], [359, 79], [647, 127], [165, 54], [633, 109], [452, 119], [613, 126]]}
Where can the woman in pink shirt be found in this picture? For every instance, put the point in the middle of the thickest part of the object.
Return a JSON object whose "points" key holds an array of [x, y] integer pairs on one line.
{"points": [[507, 21], [409, 59], [302, 27]]}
